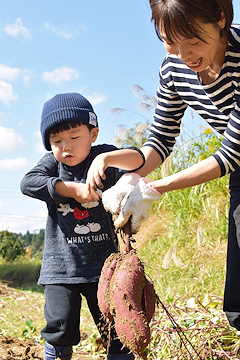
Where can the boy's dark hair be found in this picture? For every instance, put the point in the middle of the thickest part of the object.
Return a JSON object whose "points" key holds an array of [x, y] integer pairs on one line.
{"points": [[181, 17], [69, 125]]}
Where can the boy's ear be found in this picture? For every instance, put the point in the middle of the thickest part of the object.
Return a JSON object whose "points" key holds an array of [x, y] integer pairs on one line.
{"points": [[94, 133]]}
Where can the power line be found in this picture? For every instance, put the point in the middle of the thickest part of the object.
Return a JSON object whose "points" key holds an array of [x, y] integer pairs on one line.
{"points": [[21, 216]]}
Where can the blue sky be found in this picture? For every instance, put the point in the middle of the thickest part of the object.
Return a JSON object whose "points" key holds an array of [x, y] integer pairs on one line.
{"points": [[97, 48]]}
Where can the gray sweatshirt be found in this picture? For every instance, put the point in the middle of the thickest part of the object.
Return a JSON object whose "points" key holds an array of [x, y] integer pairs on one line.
{"points": [[78, 237]]}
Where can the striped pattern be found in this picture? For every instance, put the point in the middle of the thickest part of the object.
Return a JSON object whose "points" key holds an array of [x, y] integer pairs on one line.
{"points": [[218, 103]]}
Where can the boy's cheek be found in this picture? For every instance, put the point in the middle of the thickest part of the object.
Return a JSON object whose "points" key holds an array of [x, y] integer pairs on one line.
{"points": [[56, 153]]}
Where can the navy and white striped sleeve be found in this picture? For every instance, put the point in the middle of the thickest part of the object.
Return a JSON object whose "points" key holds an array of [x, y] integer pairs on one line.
{"points": [[228, 155], [168, 115]]}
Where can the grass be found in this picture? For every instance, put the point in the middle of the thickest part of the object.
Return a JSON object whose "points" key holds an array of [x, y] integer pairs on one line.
{"points": [[19, 307], [22, 274]]}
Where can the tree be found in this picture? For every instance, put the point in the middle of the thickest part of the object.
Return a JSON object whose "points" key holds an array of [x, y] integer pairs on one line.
{"points": [[11, 246]]}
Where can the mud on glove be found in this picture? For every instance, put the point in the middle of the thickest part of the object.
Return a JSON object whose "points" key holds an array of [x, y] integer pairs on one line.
{"points": [[136, 204], [113, 197]]}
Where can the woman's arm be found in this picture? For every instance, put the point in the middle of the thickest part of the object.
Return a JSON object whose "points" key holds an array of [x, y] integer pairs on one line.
{"points": [[152, 161], [199, 173]]}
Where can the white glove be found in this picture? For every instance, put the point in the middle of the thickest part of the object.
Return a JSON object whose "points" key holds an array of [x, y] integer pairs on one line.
{"points": [[136, 204], [113, 197]]}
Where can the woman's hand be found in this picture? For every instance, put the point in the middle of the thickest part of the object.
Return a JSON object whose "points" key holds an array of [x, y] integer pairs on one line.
{"points": [[130, 199]]}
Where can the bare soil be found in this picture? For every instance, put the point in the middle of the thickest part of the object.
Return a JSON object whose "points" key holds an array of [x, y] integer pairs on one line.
{"points": [[13, 348]]}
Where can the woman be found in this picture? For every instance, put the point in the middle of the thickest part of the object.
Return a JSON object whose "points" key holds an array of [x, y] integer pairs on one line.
{"points": [[201, 70]]}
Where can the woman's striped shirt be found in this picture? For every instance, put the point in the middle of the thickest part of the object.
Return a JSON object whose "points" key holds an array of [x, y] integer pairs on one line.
{"points": [[218, 103]]}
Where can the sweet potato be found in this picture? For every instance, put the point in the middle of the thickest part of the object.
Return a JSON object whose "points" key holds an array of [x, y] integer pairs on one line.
{"points": [[126, 292], [103, 293], [149, 300]]}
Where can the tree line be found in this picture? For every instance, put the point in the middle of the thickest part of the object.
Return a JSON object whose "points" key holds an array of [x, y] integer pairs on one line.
{"points": [[14, 245]]}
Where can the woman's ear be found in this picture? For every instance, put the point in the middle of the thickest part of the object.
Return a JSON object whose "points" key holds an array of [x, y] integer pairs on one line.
{"points": [[222, 21], [94, 134]]}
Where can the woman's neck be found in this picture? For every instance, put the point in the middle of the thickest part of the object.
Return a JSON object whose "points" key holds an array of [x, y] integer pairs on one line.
{"points": [[212, 72]]}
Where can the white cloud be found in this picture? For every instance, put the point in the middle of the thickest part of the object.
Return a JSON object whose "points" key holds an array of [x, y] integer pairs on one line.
{"points": [[21, 219], [6, 93], [38, 145], [21, 223], [8, 73], [26, 76], [60, 74], [4, 118], [96, 98], [17, 29], [65, 32], [13, 164], [9, 139]]}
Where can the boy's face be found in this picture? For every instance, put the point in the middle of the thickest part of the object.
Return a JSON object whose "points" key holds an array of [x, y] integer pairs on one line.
{"points": [[72, 146]]}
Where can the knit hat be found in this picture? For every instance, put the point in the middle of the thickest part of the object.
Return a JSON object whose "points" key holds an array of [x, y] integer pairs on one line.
{"points": [[64, 108]]}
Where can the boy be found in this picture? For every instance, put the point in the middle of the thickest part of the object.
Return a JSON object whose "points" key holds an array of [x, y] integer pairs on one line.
{"points": [[79, 233]]}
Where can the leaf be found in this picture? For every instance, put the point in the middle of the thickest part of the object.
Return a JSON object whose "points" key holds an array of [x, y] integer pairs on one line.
{"points": [[200, 236], [171, 255], [176, 260]]}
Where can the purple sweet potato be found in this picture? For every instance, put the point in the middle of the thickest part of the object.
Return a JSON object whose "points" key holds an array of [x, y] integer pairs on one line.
{"points": [[103, 293], [126, 292]]}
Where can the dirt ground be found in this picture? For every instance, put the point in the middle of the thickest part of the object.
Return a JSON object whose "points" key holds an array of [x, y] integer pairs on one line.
{"points": [[19, 350], [12, 348], [15, 349]]}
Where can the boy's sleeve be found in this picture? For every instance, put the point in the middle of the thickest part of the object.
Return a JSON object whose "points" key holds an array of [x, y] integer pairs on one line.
{"points": [[40, 182]]}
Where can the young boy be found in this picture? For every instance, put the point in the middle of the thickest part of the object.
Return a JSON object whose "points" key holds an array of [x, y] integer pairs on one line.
{"points": [[79, 233]]}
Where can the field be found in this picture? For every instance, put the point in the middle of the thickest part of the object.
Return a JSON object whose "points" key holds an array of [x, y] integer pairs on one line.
{"points": [[183, 247], [189, 322]]}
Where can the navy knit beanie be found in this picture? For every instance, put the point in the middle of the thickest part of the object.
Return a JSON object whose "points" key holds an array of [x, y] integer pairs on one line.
{"points": [[64, 108]]}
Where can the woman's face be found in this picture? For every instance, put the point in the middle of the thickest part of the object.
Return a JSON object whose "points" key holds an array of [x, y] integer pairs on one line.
{"points": [[200, 55]]}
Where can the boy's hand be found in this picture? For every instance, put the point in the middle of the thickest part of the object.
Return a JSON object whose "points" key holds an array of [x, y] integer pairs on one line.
{"points": [[96, 172], [83, 195], [77, 191]]}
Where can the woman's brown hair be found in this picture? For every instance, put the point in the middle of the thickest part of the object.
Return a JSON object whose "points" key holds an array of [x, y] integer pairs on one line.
{"points": [[181, 17]]}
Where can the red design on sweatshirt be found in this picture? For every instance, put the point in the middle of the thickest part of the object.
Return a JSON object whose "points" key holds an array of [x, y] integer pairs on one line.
{"points": [[80, 214]]}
